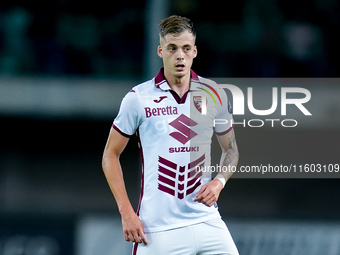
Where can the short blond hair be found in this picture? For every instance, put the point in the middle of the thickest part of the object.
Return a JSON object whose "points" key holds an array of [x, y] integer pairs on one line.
{"points": [[175, 25]]}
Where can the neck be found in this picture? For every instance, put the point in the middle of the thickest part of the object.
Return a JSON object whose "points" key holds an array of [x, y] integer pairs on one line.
{"points": [[178, 84]]}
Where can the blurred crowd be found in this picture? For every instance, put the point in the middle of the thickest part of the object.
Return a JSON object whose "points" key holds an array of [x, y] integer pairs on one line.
{"points": [[245, 38]]}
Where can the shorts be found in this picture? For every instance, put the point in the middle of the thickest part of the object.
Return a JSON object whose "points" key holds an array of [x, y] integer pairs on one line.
{"points": [[210, 237]]}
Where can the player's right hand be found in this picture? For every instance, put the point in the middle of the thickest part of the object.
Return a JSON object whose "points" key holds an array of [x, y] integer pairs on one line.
{"points": [[133, 228]]}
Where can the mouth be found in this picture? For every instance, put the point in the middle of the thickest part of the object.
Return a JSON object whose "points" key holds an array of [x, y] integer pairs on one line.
{"points": [[180, 67]]}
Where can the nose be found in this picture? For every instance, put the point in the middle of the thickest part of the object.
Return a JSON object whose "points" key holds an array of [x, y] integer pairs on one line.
{"points": [[180, 54]]}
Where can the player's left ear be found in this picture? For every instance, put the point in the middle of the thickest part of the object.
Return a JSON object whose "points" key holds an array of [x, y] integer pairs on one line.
{"points": [[195, 51], [160, 51]]}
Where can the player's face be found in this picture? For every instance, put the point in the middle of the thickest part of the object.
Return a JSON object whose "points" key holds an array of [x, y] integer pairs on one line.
{"points": [[178, 53]]}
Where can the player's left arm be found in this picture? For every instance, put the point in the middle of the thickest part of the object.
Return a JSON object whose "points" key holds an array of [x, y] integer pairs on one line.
{"points": [[210, 192]]}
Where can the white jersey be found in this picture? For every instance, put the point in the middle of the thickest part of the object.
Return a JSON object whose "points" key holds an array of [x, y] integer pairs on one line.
{"points": [[175, 142]]}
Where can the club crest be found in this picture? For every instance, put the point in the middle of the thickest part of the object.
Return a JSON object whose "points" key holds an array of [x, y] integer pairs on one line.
{"points": [[198, 103]]}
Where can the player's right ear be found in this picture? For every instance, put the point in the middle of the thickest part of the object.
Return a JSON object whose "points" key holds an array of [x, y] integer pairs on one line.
{"points": [[160, 51]]}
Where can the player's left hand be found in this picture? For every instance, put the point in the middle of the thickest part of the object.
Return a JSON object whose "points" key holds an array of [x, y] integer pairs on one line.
{"points": [[209, 192]]}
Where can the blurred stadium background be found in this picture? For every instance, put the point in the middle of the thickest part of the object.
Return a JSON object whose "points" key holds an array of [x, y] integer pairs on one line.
{"points": [[64, 68]]}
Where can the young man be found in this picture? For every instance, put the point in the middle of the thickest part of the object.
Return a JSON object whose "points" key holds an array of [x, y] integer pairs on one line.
{"points": [[173, 116]]}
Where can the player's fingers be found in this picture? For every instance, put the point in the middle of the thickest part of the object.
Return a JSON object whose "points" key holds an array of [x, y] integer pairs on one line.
{"points": [[202, 189], [143, 238], [126, 236], [199, 198], [202, 193], [204, 197], [207, 198], [210, 202], [136, 238], [211, 198], [133, 236], [129, 237]]}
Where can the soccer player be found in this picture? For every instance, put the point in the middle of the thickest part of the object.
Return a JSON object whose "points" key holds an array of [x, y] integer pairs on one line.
{"points": [[174, 116]]}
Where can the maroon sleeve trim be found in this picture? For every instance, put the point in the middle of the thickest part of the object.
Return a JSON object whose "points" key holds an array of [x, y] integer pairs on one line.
{"points": [[120, 132], [225, 132]]}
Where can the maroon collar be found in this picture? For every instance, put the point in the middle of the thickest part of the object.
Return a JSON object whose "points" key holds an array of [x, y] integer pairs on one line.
{"points": [[160, 79], [179, 100], [161, 83]]}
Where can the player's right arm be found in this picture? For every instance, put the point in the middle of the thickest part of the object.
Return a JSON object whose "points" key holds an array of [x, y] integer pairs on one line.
{"points": [[132, 226]]}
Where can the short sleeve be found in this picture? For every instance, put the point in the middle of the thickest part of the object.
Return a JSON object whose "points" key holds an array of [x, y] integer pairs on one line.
{"points": [[128, 118], [224, 118]]}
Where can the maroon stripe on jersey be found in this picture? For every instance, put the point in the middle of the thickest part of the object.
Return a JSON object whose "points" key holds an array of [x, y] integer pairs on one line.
{"points": [[195, 171], [167, 171], [167, 162], [166, 189], [135, 246], [189, 191], [181, 169], [192, 173], [181, 177], [120, 132], [166, 180], [225, 132], [180, 195], [195, 163], [181, 186], [191, 182], [142, 181]]}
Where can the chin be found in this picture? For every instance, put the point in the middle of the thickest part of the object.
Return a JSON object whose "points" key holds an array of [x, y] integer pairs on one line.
{"points": [[180, 74]]}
